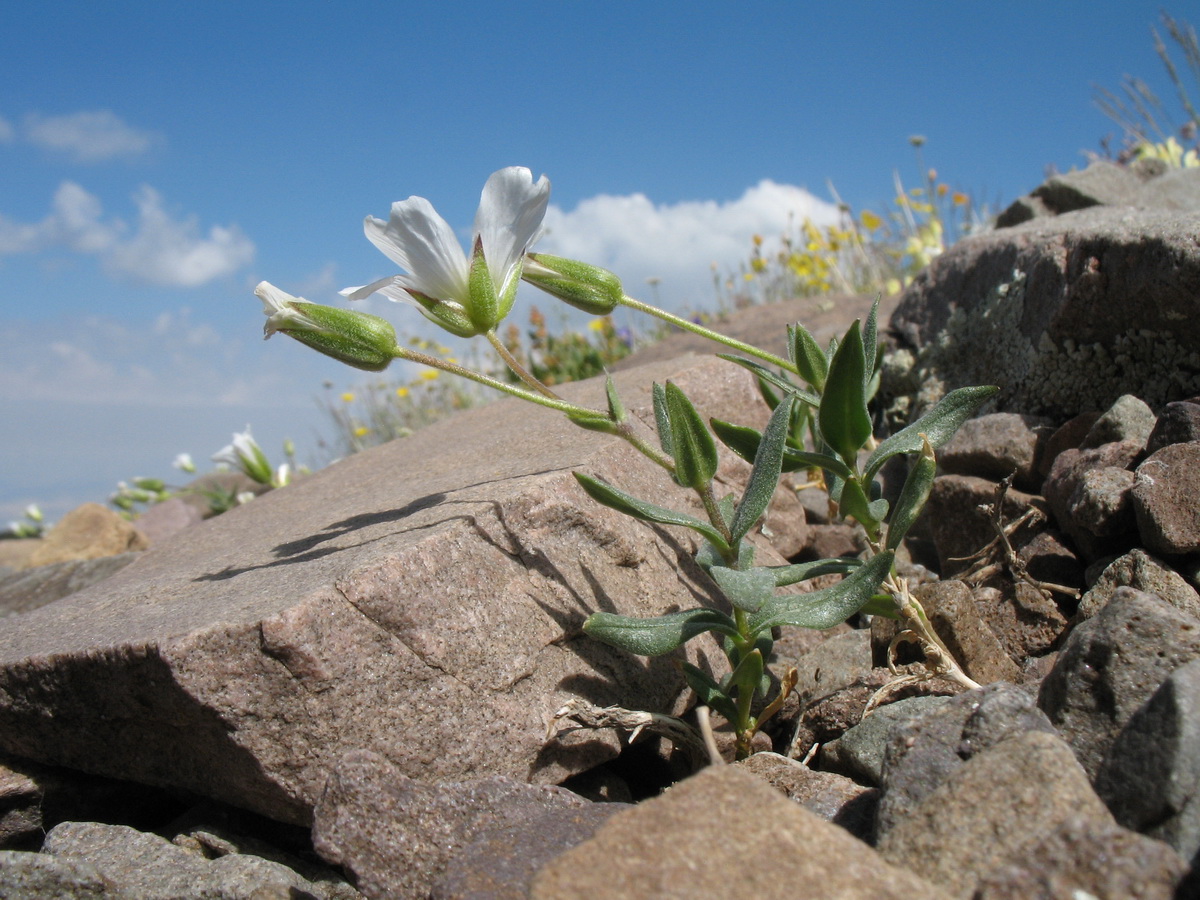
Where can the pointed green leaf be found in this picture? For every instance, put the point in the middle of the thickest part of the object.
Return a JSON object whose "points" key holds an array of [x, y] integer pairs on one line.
{"points": [[695, 450], [764, 477], [938, 425], [593, 422], [484, 309], [881, 605], [748, 674], [708, 556], [853, 502], [616, 409], [773, 379], [843, 416], [802, 459], [808, 356], [870, 338], [746, 589], [741, 439], [827, 607], [605, 493], [659, 635], [709, 693], [661, 419], [802, 571], [912, 496]]}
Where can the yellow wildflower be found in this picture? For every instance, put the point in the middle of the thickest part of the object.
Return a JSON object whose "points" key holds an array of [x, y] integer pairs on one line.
{"points": [[401, 392], [348, 397], [870, 221], [429, 374]]}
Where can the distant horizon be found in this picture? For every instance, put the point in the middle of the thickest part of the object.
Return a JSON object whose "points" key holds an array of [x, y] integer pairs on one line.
{"points": [[163, 160]]}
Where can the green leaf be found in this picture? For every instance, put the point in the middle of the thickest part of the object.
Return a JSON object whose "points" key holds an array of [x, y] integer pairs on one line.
{"points": [[912, 496], [853, 502], [808, 356], [771, 378], [871, 354], [605, 493], [764, 477], [827, 607], [769, 396], [593, 422], [708, 556], [695, 450], [709, 693], [748, 674], [661, 419], [658, 635], [616, 409], [881, 605], [802, 459], [741, 439], [843, 416], [746, 589], [938, 425], [802, 571]]}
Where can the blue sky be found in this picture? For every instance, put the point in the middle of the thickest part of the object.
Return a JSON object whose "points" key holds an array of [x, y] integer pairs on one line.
{"points": [[160, 159]]}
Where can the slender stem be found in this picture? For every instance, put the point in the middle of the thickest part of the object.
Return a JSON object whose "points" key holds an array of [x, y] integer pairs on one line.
{"points": [[748, 349], [478, 377], [708, 498], [519, 370], [625, 430]]}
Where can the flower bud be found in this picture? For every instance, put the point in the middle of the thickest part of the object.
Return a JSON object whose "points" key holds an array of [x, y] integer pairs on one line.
{"points": [[357, 339], [245, 454], [589, 288]]}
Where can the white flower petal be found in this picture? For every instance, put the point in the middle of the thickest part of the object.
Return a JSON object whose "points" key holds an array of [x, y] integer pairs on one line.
{"points": [[509, 219], [366, 290], [423, 244]]}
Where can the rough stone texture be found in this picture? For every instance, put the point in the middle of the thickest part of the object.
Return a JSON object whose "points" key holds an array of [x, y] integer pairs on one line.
{"points": [[1138, 569], [960, 528], [923, 752], [32, 588], [1150, 778], [1110, 665], [1100, 503], [995, 446], [984, 813], [1104, 302], [1178, 423], [859, 752], [88, 532], [833, 797], [695, 842], [500, 863], [28, 876], [1047, 558], [166, 519], [1084, 859], [832, 665], [422, 599], [20, 807], [1102, 183], [150, 867], [1025, 621], [1064, 494], [1129, 419], [1164, 499], [396, 835], [1068, 436], [16, 552]]}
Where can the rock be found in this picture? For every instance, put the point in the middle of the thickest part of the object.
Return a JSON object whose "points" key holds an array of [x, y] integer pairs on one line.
{"points": [[1129, 419], [1110, 665], [1065, 314], [1046, 557], [702, 840], [396, 835], [34, 875], [1164, 500], [20, 808], [1066, 496], [835, 798], [831, 541], [33, 588], [984, 813], [996, 446], [1102, 183], [422, 599], [1086, 859], [927, 749], [834, 664], [1100, 503], [1178, 423], [162, 520], [1150, 778], [148, 866], [15, 552], [1138, 569], [88, 532], [1173, 189], [859, 752], [1025, 621]]}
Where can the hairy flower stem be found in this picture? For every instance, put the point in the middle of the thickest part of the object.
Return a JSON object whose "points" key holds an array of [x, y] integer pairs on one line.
{"points": [[519, 370], [625, 430], [748, 349], [479, 378]]}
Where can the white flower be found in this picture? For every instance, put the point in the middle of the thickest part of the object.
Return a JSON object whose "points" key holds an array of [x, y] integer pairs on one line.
{"points": [[245, 455], [466, 297], [282, 310], [184, 463]]}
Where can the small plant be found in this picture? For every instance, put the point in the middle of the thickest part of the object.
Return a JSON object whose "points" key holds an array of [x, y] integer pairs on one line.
{"points": [[820, 420], [32, 525]]}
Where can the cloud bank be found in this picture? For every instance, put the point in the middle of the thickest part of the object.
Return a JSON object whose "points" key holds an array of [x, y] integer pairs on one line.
{"points": [[83, 137]]}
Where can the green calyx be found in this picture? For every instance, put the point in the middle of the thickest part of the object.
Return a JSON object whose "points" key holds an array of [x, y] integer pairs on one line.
{"points": [[590, 288]]}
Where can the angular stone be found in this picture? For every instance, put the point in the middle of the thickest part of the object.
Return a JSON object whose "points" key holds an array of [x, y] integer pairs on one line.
{"points": [[1164, 500], [983, 815], [1026, 622], [833, 797], [422, 599], [960, 528], [1174, 189], [1048, 558], [1150, 778], [1105, 302], [163, 520], [88, 532], [694, 841], [1100, 503], [923, 752], [859, 752], [33, 588], [1110, 665], [1068, 437], [1138, 569], [996, 446], [1064, 494], [1086, 859], [1178, 423], [35, 875], [1129, 419], [1102, 183], [832, 665], [397, 835]]}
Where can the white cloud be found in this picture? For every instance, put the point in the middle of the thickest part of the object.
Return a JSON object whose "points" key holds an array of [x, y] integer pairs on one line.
{"points": [[8, 134], [159, 250], [677, 243], [87, 137]]}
